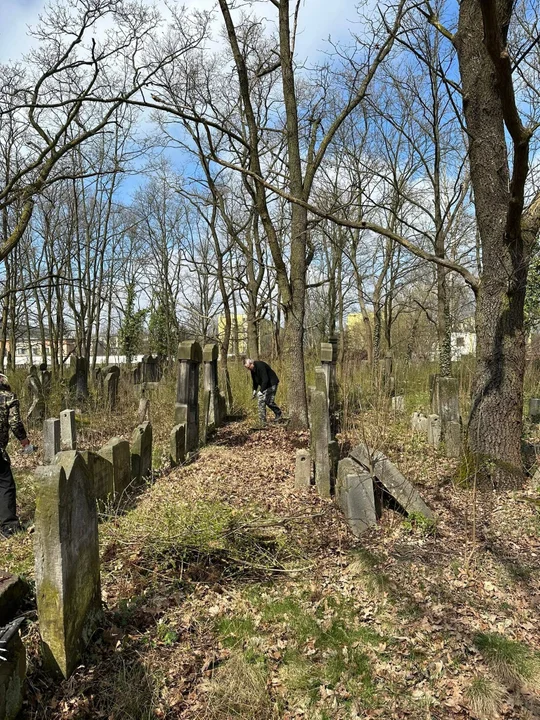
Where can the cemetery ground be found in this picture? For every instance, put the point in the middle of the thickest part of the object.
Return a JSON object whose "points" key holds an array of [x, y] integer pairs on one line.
{"points": [[230, 594]]}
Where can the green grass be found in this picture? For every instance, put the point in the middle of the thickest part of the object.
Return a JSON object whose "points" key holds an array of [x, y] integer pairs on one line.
{"points": [[515, 663]]}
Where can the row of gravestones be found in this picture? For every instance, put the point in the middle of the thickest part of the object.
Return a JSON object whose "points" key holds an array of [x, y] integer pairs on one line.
{"points": [[66, 547], [70, 490], [148, 370]]}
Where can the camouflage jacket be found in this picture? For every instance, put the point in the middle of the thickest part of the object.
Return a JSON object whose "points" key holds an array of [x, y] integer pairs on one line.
{"points": [[10, 417]]}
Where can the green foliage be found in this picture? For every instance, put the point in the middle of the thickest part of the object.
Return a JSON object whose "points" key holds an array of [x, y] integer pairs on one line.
{"points": [[532, 297], [484, 696], [514, 662], [415, 522], [158, 330], [131, 330]]}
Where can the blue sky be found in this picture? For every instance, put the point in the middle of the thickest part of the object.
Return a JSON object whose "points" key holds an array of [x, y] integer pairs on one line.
{"points": [[318, 20]]}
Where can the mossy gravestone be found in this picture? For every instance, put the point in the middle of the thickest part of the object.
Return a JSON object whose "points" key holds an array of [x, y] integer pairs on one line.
{"points": [[117, 453], [67, 562]]}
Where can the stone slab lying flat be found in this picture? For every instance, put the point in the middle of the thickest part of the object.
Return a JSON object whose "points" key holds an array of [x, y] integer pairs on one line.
{"points": [[13, 590], [393, 481]]}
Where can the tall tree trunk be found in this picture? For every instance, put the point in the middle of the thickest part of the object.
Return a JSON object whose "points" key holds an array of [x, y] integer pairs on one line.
{"points": [[495, 421]]}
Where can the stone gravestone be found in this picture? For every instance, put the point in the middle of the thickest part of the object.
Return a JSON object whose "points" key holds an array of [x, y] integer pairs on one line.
{"points": [[178, 445], [101, 476], [388, 475], [110, 389], [445, 404], [452, 439], [398, 403], [68, 430], [355, 496], [66, 552], [136, 374], [210, 384], [434, 430], [320, 440], [187, 392], [534, 410], [141, 453], [117, 453], [329, 366], [143, 413], [51, 439], [13, 590], [46, 381], [12, 672], [81, 378], [302, 472], [36, 412]]}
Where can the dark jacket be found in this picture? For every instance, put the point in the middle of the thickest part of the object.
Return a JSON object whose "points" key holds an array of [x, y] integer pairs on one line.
{"points": [[10, 417], [263, 376]]}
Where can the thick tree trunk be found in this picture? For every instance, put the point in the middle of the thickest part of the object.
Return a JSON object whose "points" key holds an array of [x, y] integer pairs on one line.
{"points": [[495, 421]]}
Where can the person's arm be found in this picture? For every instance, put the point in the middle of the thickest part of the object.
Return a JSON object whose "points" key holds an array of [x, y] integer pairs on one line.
{"points": [[15, 422]]}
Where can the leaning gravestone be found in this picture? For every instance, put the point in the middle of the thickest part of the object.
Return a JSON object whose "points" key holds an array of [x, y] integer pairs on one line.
{"points": [[434, 430], [355, 496], [178, 445], [116, 452], [389, 476], [66, 552], [12, 672], [141, 453]]}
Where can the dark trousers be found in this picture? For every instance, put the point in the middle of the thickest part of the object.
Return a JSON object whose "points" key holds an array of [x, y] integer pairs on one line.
{"points": [[267, 398], [8, 495]]}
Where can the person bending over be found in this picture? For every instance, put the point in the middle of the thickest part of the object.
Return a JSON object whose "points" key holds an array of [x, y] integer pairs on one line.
{"points": [[265, 385]]}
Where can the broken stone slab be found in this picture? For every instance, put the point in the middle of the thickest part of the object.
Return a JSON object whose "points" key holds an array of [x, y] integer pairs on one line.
{"points": [[355, 496], [12, 673], [13, 591], [302, 470], [452, 439], [68, 430], [117, 453], [434, 430], [178, 445], [66, 551], [393, 481]]}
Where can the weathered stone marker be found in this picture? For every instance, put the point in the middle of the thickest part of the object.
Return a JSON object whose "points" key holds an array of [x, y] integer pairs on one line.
{"points": [[534, 409], [320, 440], [452, 439], [68, 430], [101, 476], [178, 445], [329, 365], [117, 453], [434, 430], [388, 475], [12, 672], [355, 497], [51, 439], [302, 472], [110, 387], [398, 403], [67, 562], [187, 392], [143, 412], [141, 452], [210, 384]]}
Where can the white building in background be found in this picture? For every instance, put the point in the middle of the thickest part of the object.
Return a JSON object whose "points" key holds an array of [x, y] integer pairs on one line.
{"points": [[463, 343]]}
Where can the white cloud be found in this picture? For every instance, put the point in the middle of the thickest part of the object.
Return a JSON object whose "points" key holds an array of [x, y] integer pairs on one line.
{"points": [[318, 20]]}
